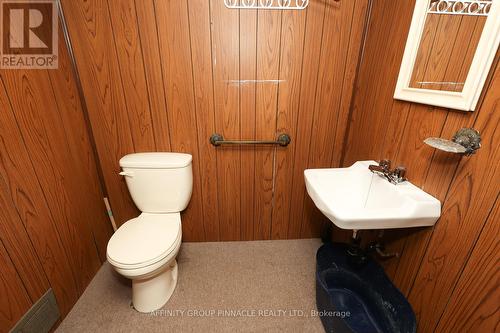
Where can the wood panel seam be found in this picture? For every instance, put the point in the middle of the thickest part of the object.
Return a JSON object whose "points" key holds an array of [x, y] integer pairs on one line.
{"points": [[120, 73], [275, 152], [145, 76], [210, 11], [429, 238], [297, 120], [343, 81], [466, 261], [83, 102], [39, 185], [366, 29], [69, 153], [161, 69], [313, 113], [195, 116], [17, 271]]}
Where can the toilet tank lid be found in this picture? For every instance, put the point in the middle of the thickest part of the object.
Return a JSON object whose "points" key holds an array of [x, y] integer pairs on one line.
{"points": [[156, 160]]}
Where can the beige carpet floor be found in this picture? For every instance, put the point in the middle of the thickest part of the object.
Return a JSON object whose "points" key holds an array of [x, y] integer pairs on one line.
{"points": [[259, 286]]}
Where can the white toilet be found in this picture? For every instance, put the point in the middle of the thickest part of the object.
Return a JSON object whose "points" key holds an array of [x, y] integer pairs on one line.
{"points": [[144, 248]]}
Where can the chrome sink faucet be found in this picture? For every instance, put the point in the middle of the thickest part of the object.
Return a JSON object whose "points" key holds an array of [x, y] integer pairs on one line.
{"points": [[383, 169]]}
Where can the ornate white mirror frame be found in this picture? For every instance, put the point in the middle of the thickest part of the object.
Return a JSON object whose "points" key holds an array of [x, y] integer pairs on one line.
{"points": [[465, 100]]}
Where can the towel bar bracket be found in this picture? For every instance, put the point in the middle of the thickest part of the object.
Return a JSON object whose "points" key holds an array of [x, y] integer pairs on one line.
{"points": [[217, 140]]}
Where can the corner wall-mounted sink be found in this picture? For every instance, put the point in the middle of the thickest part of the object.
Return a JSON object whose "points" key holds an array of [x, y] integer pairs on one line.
{"points": [[355, 198]]}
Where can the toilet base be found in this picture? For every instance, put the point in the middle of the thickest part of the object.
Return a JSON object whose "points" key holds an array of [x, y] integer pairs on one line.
{"points": [[152, 293]]}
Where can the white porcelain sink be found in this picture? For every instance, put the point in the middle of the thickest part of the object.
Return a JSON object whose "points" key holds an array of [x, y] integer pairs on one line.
{"points": [[356, 198]]}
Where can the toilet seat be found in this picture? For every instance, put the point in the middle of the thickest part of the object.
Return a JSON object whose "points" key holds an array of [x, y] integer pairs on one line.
{"points": [[144, 240]]}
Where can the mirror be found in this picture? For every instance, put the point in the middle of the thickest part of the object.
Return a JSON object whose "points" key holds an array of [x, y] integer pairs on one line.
{"points": [[449, 51]]}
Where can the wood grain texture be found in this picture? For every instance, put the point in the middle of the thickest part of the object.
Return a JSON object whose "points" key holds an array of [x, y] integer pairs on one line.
{"points": [[441, 55], [471, 197], [292, 49], [226, 67], [434, 172], [202, 68], [148, 33], [268, 68], [82, 152], [45, 139], [432, 24], [335, 46], [432, 259], [309, 79], [53, 223], [175, 50], [14, 195], [201, 57], [15, 300], [374, 89], [471, 47], [473, 306], [438, 180], [33, 212], [442, 52], [248, 71], [401, 129], [353, 58], [459, 62], [18, 244], [91, 35], [132, 73]]}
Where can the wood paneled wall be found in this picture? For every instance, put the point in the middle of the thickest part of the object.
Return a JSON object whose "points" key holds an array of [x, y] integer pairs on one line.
{"points": [[163, 75], [445, 54], [448, 272], [53, 223]]}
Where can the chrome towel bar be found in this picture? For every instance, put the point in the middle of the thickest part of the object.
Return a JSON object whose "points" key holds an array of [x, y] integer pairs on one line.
{"points": [[217, 140]]}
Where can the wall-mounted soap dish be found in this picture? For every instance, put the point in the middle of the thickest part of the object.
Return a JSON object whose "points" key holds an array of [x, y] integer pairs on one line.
{"points": [[466, 141]]}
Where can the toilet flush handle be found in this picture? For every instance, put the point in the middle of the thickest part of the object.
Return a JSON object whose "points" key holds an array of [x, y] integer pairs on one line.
{"points": [[126, 173]]}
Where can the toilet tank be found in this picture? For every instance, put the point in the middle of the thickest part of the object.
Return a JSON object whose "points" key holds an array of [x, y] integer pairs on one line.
{"points": [[158, 182]]}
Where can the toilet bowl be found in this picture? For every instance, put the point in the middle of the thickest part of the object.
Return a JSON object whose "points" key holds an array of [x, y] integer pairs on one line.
{"points": [[144, 248]]}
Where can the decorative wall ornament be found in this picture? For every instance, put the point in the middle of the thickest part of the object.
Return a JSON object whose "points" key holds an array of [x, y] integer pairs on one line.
{"points": [[267, 4], [460, 7]]}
